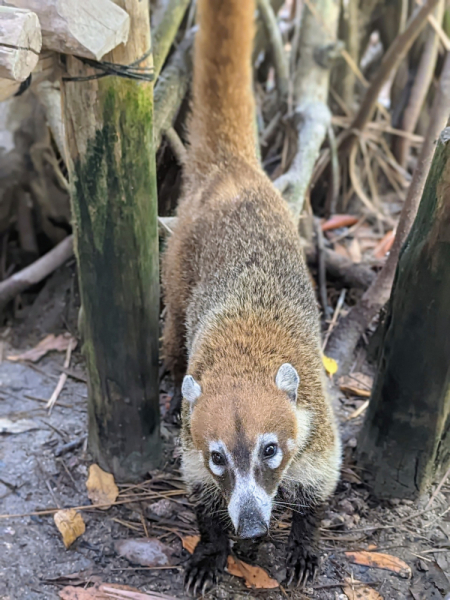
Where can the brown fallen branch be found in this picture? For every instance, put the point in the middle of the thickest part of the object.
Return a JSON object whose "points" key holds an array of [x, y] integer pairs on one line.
{"points": [[345, 337], [36, 272], [317, 48], [422, 81]]}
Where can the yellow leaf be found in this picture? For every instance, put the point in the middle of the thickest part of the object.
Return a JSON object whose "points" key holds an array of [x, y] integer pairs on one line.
{"points": [[101, 487], [355, 590], [330, 365], [70, 524], [380, 561]]}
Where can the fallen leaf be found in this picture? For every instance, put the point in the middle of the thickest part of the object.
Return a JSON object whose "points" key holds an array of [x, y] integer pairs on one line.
{"points": [[70, 524], [59, 343], [330, 365], [254, 577], [354, 249], [147, 552], [380, 561], [384, 245], [337, 221], [341, 250], [20, 426], [355, 590], [190, 542], [101, 487]]}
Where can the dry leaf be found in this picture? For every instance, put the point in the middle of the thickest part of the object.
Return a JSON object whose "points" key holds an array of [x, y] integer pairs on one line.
{"points": [[337, 221], [59, 343], [384, 245], [254, 577], [148, 552], [354, 249], [101, 487], [190, 542], [70, 524], [330, 365], [20, 426], [355, 590], [380, 561]]}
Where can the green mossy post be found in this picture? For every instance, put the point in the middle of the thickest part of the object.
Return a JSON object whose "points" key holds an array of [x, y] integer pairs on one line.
{"points": [[109, 129], [405, 441]]}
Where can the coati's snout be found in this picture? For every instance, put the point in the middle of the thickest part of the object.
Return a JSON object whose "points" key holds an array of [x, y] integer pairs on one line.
{"points": [[247, 432]]}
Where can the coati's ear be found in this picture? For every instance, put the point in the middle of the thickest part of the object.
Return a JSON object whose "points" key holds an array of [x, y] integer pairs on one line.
{"points": [[191, 390], [287, 380]]}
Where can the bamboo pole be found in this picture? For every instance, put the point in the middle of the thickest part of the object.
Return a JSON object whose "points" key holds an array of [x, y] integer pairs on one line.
{"points": [[109, 136]]}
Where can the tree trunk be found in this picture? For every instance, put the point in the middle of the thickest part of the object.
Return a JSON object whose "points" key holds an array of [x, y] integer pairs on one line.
{"points": [[405, 441], [110, 144]]}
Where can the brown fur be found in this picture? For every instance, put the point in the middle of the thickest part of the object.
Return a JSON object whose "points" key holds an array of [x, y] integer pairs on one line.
{"points": [[238, 295]]}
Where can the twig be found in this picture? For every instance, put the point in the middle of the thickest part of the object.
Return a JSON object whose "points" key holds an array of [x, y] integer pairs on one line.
{"points": [[276, 43], [333, 190], [438, 489], [36, 272], [337, 310], [166, 31], [73, 445], [343, 341], [62, 379], [422, 81], [176, 144], [322, 270], [172, 86], [392, 59], [358, 411]]}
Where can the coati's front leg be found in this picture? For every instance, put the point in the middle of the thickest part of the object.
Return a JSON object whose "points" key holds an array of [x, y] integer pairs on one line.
{"points": [[210, 555], [303, 544], [175, 359]]}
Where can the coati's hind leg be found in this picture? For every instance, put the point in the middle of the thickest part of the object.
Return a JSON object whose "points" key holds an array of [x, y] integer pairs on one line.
{"points": [[175, 359], [303, 544], [210, 555]]}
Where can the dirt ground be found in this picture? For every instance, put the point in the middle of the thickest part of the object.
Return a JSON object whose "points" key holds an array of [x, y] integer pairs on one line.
{"points": [[40, 471]]}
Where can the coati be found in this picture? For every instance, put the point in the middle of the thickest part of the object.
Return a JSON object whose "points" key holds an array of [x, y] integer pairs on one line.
{"points": [[242, 330]]}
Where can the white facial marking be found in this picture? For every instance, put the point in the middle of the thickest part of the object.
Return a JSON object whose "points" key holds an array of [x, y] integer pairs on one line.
{"points": [[264, 440], [287, 380], [190, 389], [246, 491]]}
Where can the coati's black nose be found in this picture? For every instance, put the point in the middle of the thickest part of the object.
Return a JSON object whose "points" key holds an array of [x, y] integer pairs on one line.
{"points": [[251, 524]]}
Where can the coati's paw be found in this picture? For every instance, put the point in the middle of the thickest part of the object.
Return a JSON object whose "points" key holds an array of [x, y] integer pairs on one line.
{"points": [[302, 564], [203, 568]]}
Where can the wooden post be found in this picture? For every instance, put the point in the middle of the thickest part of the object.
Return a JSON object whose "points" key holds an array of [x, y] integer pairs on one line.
{"points": [[88, 28], [108, 125], [405, 440], [20, 43]]}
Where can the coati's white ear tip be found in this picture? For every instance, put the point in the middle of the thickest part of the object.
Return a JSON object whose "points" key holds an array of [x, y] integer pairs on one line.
{"points": [[190, 389], [288, 380]]}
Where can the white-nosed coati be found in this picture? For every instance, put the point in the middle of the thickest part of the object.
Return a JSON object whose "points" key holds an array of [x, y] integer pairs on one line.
{"points": [[242, 323]]}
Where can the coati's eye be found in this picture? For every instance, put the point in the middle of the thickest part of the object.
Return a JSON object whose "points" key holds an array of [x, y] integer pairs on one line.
{"points": [[270, 450], [218, 459]]}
